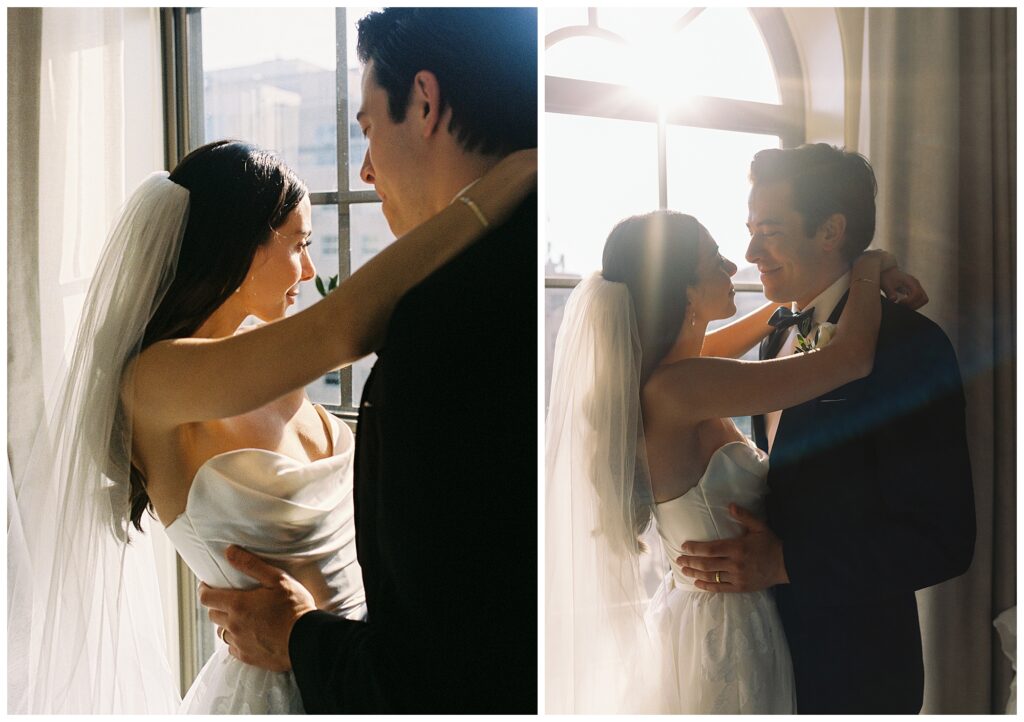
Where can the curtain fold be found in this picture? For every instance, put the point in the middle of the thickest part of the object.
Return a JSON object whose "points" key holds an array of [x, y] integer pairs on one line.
{"points": [[84, 86], [939, 125], [24, 372]]}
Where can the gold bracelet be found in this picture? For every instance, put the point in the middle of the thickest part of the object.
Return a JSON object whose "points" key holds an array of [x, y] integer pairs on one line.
{"points": [[865, 280], [476, 210]]}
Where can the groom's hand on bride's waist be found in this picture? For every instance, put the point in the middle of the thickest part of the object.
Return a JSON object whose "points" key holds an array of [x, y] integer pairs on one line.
{"points": [[256, 623], [748, 563]]}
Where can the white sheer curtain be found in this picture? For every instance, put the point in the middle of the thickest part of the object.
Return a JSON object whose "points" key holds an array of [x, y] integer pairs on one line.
{"points": [[85, 129], [938, 122]]}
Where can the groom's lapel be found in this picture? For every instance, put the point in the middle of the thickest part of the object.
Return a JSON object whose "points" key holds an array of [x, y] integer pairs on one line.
{"points": [[789, 444]]}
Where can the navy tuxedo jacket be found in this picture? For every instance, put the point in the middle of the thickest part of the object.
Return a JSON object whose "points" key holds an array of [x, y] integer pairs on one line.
{"points": [[445, 501], [870, 491]]}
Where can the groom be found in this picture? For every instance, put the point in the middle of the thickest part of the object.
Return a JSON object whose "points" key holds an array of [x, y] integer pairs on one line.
{"points": [[445, 467], [870, 485]]}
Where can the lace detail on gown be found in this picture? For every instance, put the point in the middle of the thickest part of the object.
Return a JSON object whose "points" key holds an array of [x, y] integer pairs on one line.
{"points": [[299, 517], [722, 653]]}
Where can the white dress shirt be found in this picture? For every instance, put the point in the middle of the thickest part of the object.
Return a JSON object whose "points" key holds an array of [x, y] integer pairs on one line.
{"points": [[823, 304]]}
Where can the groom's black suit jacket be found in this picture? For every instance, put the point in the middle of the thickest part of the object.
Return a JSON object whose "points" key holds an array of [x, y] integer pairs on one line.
{"points": [[445, 501], [870, 492]]}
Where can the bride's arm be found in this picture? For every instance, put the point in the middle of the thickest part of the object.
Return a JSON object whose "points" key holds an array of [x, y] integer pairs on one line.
{"points": [[193, 379], [703, 388], [735, 339]]}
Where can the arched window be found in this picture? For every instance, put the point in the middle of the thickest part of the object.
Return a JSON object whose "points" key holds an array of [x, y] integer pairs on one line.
{"points": [[659, 108]]}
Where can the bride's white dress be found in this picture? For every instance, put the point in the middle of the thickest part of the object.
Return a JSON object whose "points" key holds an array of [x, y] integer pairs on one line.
{"points": [[721, 652], [299, 517]]}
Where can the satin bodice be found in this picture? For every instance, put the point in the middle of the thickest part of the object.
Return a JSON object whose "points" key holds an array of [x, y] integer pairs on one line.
{"points": [[736, 474], [296, 515]]}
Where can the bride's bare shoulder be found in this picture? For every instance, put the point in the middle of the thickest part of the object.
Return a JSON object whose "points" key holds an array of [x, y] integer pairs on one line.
{"points": [[669, 389]]}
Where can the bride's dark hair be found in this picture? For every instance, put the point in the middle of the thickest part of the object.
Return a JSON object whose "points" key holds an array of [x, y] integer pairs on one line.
{"points": [[655, 255], [238, 195]]}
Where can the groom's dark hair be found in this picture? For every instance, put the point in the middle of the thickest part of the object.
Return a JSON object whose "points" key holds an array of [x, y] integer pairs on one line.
{"points": [[485, 61], [825, 180]]}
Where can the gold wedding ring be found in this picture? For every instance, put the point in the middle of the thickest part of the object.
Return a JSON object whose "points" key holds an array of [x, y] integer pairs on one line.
{"points": [[718, 577], [220, 633]]}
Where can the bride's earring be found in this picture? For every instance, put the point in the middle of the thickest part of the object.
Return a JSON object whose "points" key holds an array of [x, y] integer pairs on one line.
{"points": [[693, 319]]}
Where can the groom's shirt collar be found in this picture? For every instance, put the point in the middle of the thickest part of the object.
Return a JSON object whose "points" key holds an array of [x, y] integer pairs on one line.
{"points": [[826, 301]]}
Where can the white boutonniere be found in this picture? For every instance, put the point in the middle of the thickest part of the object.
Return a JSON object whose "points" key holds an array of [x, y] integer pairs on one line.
{"points": [[819, 339]]}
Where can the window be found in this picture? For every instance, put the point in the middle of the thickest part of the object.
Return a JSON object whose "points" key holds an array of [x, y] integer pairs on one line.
{"points": [[658, 108], [287, 80]]}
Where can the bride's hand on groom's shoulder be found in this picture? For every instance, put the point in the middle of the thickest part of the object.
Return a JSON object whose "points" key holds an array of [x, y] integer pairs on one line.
{"points": [[902, 288], [747, 563], [256, 623]]}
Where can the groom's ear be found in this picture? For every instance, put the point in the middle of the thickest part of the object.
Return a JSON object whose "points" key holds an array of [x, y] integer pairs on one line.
{"points": [[832, 232], [426, 102]]}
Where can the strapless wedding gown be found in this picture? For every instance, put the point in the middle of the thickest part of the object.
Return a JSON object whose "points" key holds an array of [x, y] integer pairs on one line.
{"points": [[721, 653], [299, 517]]}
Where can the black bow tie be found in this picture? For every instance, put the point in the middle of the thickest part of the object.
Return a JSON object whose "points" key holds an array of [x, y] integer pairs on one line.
{"points": [[783, 318]]}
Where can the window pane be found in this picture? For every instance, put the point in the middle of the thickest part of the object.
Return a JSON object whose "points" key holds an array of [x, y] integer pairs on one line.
{"points": [[708, 178], [357, 143], [554, 307], [589, 58], [324, 254], [638, 25], [370, 235], [720, 53], [723, 54], [269, 79], [597, 172], [555, 18]]}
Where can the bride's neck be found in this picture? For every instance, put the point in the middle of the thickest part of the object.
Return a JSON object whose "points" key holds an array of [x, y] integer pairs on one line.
{"points": [[688, 343], [222, 323]]}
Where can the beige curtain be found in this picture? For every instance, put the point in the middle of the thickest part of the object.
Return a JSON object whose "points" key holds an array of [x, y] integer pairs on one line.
{"points": [[24, 372], [939, 125]]}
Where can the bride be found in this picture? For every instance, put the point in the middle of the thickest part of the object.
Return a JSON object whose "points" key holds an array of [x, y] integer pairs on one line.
{"points": [[169, 406], [638, 430]]}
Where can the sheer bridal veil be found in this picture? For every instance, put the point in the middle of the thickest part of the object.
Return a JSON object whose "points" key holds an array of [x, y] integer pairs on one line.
{"points": [[599, 657], [85, 626]]}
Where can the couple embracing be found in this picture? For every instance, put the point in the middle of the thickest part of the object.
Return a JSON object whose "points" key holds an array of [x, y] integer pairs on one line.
{"points": [[396, 573], [794, 557]]}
